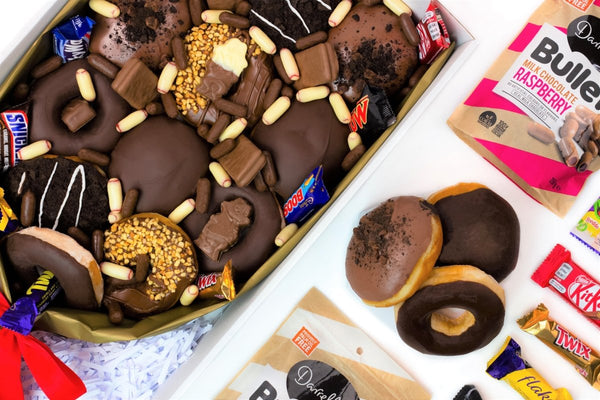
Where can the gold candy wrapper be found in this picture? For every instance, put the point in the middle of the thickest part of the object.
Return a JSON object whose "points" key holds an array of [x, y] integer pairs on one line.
{"points": [[218, 285], [585, 360]]}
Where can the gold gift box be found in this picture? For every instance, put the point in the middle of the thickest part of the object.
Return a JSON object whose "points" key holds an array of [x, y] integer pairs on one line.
{"points": [[95, 326]]}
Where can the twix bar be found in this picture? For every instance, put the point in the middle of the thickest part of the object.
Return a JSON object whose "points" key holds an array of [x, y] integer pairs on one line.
{"points": [[560, 273], [585, 360]]}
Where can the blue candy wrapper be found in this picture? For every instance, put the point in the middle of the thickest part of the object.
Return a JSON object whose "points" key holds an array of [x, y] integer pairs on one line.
{"points": [[309, 197], [22, 314], [71, 39]]}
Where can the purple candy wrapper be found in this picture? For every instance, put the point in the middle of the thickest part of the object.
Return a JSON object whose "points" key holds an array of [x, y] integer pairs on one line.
{"points": [[22, 314], [311, 195], [72, 38]]}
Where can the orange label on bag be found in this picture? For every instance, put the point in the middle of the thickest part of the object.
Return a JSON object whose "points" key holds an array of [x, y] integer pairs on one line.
{"points": [[582, 5], [305, 341]]}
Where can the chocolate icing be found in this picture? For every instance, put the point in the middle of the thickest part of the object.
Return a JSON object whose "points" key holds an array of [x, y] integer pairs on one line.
{"points": [[307, 135], [414, 317], [163, 159], [143, 29], [53, 176], [24, 253], [255, 243], [386, 246], [479, 228], [371, 45], [53, 92]]}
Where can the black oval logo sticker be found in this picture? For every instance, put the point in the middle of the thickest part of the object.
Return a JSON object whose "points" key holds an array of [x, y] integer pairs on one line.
{"points": [[583, 35], [316, 380]]}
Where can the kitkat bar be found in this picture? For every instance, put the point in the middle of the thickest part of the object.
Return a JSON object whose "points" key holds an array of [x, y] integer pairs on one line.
{"points": [[560, 273], [433, 33]]}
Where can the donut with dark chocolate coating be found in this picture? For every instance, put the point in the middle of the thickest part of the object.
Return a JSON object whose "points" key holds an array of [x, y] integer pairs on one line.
{"points": [[256, 242], [162, 158], [75, 268], [393, 250], [54, 91], [143, 29], [423, 327], [480, 228]]}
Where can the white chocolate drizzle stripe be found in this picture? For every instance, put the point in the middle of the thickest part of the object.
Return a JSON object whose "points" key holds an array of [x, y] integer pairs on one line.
{"points": [[78, 171], [44, 195], [266, 21], [20, 189], [327, 6], [298, 15]]}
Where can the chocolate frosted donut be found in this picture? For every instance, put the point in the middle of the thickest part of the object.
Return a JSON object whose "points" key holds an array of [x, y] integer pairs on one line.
{"points": [[143, 29], [422, 326], [67, 192], [54, 91], [393, 250], [371, 48], [307, 135], [480, 228], [163, 159], [255, 243]]}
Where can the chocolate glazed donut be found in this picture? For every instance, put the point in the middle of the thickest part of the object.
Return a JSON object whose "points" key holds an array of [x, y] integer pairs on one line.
{"points": [[422, 327], [54, 91]]}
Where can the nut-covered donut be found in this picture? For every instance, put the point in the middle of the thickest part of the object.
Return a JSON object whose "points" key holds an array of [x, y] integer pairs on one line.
{"points": [[422, 326], [480, 228], [172, 267], [75, 268], [393, 250], [52, 93]]}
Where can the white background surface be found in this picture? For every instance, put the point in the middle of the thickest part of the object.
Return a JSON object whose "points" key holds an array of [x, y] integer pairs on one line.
{"points": [[429, 157]]}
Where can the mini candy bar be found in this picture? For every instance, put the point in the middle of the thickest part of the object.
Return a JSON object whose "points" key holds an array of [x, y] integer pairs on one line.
{"points": [[509, 366], [8, 220], [587, 229], [14, 128], [22, 314], [585, 360], [433, 33], [568, 279], [217, 285], [372, 114], [71, 39], [308, 198], [467, 392]]}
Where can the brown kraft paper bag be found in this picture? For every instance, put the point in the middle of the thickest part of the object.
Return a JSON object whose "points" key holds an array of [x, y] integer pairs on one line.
{"points": [[319, 353], [547, 75]]}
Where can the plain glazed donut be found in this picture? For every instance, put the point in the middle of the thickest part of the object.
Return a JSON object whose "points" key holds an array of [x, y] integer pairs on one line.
{"points": [[54, 91], [480, 228], [423, 327], [75, 268], [173, 265], [393, 250]]}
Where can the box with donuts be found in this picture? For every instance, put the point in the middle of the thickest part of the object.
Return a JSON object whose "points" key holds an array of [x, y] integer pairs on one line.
{"points": [[162, 158]]}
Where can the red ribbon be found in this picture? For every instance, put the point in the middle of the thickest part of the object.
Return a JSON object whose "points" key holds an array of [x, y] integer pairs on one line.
{"points": [[52, 375]]}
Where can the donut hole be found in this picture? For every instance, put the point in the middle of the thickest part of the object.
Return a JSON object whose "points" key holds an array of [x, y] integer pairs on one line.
{"points": [[452, 321]]}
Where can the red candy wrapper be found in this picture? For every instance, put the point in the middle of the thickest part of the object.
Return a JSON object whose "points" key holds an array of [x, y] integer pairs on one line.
{"points": [[433, 33], [560, 273]]}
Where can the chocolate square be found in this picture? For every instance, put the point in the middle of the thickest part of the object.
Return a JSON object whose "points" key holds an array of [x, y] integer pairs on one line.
{"points": [[76, 114], [317, 65], [136, 83], [243, 162]]}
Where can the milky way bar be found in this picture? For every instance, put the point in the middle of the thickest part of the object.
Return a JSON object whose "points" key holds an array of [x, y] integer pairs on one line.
{"points": [[564, 276], [585, 360]]}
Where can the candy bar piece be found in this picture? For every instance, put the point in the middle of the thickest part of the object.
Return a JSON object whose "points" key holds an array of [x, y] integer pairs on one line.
{"points": [[318, 65], [309, 197], [136, 83], [217, 81], [243, 162], [253, 87], [222, 229], [203, 192], [560, 273], [76, 114], [509, 366], [585, 360], [311, 40], [102, 65], [432, 43], [219, 285], [45, 67]]}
